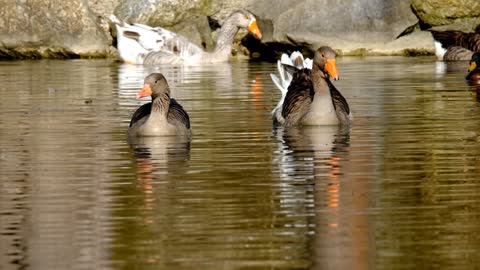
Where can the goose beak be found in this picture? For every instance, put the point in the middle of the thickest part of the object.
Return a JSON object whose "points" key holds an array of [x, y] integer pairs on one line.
{"points": [[473, 65], [331, 68], [253, 28], [146, 91]]}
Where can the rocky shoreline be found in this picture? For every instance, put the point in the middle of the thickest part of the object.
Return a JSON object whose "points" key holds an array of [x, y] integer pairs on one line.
{"points": [[80, 28]]}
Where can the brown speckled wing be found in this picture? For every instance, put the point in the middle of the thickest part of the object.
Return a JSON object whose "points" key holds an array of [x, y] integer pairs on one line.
{"points": [[176, 114], [140, 113], [299, 97], [339, 102], [451, 38], [457, 53]]}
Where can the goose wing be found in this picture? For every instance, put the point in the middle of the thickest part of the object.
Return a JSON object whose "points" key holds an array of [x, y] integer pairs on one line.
{"points": [[456, 53], [340, 104], [452, 38], [299, 97], [140, 113], [176, 114], [176, 44], [147, 40]]}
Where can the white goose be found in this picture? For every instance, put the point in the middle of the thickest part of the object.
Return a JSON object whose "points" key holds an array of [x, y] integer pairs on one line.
{"points": [[308, 95], [142, 44]]}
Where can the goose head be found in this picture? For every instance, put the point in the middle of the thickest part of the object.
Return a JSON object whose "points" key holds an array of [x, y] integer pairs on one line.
{"points": [[245, 19], [474, 62], [473, 75], [154, 85], [324, 60]]}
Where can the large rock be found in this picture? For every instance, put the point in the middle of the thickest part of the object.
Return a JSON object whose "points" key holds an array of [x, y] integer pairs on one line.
{"points": [[49, 28], [461, 14], [350, 26]]}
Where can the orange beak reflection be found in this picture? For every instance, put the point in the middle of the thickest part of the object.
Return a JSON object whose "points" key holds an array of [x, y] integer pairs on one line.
{"points": [[331, 68], [146, 91], [253, 28]]}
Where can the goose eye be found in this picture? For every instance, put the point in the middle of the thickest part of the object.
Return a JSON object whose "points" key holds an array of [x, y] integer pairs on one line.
{"points": [[156, 81]]}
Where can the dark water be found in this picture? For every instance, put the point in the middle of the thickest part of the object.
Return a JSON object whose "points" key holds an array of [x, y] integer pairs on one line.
{"points": [[400, 190]]}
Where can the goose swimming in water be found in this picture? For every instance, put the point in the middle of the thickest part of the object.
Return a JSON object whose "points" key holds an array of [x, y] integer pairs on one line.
{"points": [[309, 97], [142, 44], [454, 45], [161, 117]]}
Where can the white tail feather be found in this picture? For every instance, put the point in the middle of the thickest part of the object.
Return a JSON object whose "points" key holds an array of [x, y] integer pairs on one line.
{"points": [[439, 50], [297, 63], [285, 59], [282, 89], [308, 63]]}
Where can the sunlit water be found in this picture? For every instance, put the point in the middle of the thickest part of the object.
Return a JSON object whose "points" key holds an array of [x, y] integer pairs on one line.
{"points": [[400, 190]]}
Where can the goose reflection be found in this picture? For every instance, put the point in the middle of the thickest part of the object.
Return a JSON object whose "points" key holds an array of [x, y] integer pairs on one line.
{"points": [[315, 154], [320, 156], [155, 158], [159, 152], [318, 147]]}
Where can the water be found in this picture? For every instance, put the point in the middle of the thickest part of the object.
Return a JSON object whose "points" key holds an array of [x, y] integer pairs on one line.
{"points": [[400, 190]]}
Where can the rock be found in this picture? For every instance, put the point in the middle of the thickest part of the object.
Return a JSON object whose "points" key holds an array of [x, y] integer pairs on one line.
{"points": [[79, 28], [102, 9], [349, 26], [50, 28], [461, 14], [166, 13]]}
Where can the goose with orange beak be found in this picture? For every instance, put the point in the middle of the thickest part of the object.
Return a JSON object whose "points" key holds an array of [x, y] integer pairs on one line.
{"points": [[311, 97], [164, 116], [142, 44]]}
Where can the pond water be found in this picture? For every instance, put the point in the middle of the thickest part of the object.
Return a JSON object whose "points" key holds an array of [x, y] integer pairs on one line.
{"points": [[400, 190]]}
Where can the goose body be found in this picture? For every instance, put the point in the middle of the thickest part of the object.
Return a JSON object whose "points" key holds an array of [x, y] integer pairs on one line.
{"points": [[308, 95], [164, 116], [454, 45], [142, 44]]}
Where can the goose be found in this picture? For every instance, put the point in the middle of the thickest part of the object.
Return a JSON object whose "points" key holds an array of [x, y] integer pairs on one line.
{"points": [[452, 45], [309, 97], [473, 76], [142, 44], [161, 117]]}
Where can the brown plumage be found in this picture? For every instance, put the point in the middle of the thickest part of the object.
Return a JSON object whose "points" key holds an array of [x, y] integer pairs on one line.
{"points": [[458, 45], [162, 116], [299, 96], [312, 99]]}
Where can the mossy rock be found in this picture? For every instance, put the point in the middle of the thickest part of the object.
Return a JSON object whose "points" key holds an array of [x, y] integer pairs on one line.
{"points": [[446, 12]]}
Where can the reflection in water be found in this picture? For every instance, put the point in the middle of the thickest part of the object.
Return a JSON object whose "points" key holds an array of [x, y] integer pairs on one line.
{"points": [[397, 191], [52, 195], [155, 157], [320, 155]]}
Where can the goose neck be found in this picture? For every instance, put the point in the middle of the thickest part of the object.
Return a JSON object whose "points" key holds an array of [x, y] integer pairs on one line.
{"points": [[161, 104], [319, 78], [225, 39]]}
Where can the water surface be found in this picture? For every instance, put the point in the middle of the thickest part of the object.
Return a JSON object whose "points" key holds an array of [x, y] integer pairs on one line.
{"points": [[399, 190]]}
